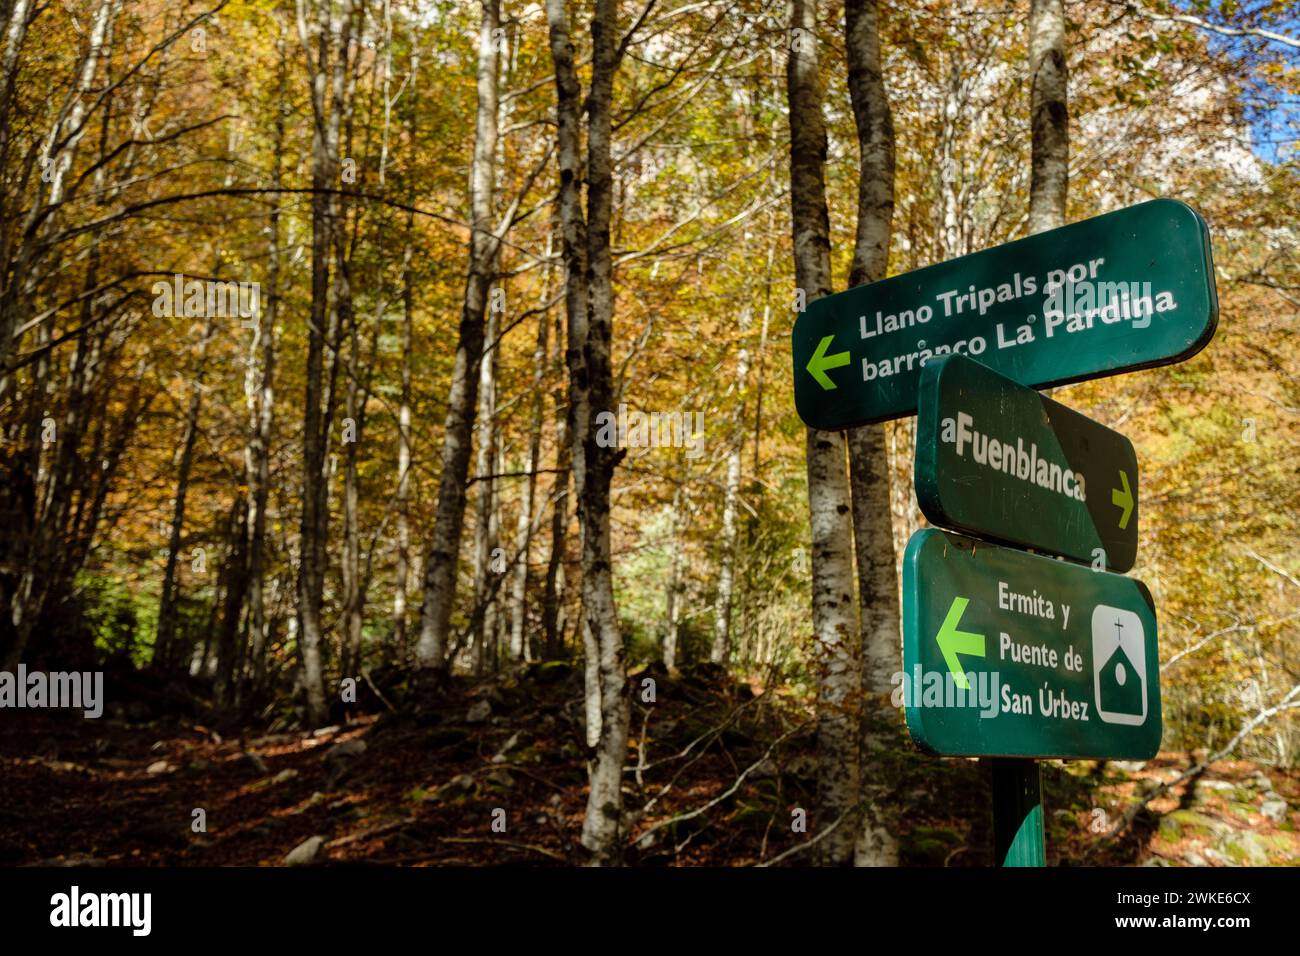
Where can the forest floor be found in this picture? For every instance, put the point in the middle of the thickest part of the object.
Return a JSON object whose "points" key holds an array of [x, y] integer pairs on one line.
{"points": [[493, 773]]}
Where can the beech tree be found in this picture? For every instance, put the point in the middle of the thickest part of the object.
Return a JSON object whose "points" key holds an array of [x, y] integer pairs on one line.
{"points": [[589, 303], [835, 625], [1049, 116], [868, 451], [442, 556]]}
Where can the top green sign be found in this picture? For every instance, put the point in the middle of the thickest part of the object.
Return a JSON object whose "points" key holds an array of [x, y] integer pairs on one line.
{"points": [[1128, 290]]}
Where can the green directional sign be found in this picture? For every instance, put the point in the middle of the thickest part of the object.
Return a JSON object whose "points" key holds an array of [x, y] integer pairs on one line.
{"points": [[1008, 654], [1124, 291], [998, 460]]}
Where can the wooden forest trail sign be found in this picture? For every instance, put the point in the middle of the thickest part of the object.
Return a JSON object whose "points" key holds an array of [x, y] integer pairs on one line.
{"points": [[1010, 654], [999, 461], [1128, 290]]}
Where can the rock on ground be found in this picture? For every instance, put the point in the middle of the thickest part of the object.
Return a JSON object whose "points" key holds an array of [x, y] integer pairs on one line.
{"points": [[310, 852]]}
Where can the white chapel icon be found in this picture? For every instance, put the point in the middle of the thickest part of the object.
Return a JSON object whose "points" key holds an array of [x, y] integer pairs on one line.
{"points": [[1119, 666]]}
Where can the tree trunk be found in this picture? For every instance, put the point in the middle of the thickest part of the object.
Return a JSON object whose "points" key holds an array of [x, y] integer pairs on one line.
{"points": [[673, 594], [868, 452], [553, 591], [229, 649], [519, 646], [590, 390], [573, 226], [1049, 116], [835, 626], [260, 384], [353, 592], [333, 42], [18, 291], [485, 527], [951, 239], [163, 652], [355, 401], [402, 504], [721, 647], [442, 558], [602, 824]]}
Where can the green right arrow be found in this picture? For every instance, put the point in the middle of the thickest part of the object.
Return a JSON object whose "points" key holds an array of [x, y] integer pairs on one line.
{"points": [[1124, 499], [953, 642], [820, 363]]}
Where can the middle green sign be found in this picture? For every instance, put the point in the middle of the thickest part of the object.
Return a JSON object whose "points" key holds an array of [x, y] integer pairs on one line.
{"points": [[998, 460]]}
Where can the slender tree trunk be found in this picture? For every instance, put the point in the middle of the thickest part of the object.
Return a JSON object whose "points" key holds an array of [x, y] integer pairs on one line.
{"points": [[673, 593], [356, 400], [356, 396], [868, 451], [553, 591], [1049, 116], [333, 42], [402, 584], [721, 647], [759, 377], [261, 386], [353, 592], [573, 225], [229, 656], [442, 558], [15, 31], [163, 651], [602, 824], [519, 646], [951, 242], [835, 624], [591, 390], [485, 528]]}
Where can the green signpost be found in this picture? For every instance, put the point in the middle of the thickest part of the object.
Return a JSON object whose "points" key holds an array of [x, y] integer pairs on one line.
{"points": [[1128, 290], [1000, 461], [1010, 655], [1016, 655]]}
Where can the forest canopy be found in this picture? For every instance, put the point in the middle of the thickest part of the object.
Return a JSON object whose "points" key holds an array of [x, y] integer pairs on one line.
{"points": [[313, 314]]}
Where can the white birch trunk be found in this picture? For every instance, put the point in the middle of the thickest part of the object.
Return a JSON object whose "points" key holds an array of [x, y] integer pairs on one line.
{"points": [[443, 556], [485, 531], [868, 452], [721, 647], [835, 624], [519, 645], [1049, 116]]}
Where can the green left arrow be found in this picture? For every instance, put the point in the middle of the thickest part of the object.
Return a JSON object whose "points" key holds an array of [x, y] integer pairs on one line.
{"points": [[953, 642], [821, 363]]}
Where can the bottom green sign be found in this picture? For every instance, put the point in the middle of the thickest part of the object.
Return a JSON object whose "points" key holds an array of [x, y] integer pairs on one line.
{"points": [[1016, 655]]}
